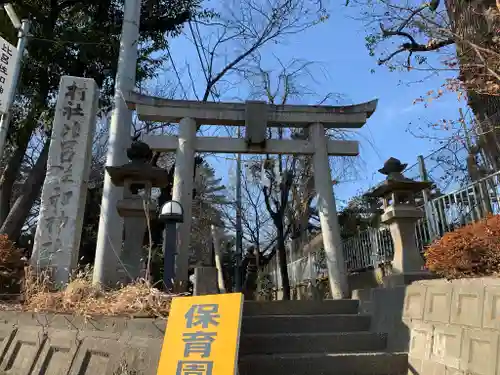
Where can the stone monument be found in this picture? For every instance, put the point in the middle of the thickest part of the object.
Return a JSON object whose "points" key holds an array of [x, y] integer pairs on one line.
{"points": [[58, 233], [401, 215], [205, 270]]}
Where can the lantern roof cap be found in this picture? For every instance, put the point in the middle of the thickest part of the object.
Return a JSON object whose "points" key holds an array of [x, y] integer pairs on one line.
{"points": [[396, 181]]}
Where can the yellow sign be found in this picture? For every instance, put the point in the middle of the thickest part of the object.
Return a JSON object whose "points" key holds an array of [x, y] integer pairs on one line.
{"points": [[202, 335]]}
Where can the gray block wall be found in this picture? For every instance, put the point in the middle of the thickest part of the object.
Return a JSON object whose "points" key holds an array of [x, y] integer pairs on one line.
{"points": [[50, 344], [455, 326], [447, 327]]}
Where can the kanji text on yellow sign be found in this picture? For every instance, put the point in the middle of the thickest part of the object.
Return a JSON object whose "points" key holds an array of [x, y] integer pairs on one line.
{"points": [[202, 335]]}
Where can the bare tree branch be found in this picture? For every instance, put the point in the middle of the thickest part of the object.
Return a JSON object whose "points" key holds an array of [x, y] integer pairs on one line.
{"points": [[412, 46]]}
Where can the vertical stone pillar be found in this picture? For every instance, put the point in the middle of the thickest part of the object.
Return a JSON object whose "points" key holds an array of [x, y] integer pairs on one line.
{"points": [[134, 209], [328, 214], [58, 233], [402, 226], [110, 232], [132, 256], [183, 192]]}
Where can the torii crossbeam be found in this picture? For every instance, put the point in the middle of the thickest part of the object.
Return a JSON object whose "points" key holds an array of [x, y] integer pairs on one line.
{"points": [[256, 117]]}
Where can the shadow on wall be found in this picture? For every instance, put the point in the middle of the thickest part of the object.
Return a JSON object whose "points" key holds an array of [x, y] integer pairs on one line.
{"points": [[386, 306]]}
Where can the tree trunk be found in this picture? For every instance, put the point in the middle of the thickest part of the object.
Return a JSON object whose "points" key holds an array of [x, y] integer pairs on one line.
{"points": [[473, 23], [285, 282], [7, 181], [249, 285], [307, 193], [12, 170], [30, 191]]}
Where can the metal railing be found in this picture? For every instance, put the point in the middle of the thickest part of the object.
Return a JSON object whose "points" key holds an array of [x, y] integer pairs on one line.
{"points": [[368, 248], [458, 208], [306, 268], [374, 246]]}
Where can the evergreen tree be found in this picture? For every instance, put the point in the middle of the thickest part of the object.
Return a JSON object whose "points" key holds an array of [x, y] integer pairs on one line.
{"points": [[78, 38]]}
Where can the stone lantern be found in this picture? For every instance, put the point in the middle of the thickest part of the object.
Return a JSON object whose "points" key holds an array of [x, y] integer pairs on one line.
{"points": [[401, 214], [137, 178]]}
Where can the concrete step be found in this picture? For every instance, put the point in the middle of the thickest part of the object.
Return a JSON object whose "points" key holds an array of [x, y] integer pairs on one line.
{"points": [[344, 306], [305, 323], [345, 342], [325, 364]]}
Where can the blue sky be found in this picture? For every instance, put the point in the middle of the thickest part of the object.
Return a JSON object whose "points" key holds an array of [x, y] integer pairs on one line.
{"points": [[344, 66]]}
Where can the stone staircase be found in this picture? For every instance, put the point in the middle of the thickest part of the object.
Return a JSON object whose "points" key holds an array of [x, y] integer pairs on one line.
{"points": [[313, 338]]}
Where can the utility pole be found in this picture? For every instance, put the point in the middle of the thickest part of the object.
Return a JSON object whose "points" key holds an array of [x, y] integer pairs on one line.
{"points": [[423, 176], [110, 235], [23, 28], [428, 208], [239, 231]]}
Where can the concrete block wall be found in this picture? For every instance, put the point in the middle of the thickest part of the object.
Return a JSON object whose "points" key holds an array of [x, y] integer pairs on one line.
{"points": [[50, 344], [385, 305], [447, 327], [454, 326]]}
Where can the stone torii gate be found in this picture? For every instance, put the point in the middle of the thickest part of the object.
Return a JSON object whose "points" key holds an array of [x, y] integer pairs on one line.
{"points": [[256, 117]]}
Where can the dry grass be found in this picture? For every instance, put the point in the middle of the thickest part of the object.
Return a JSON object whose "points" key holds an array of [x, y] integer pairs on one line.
{"points": [[80, 297], [11, 266]]}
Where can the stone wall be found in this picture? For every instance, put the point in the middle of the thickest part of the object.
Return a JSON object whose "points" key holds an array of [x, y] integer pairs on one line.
{"points": [[50, 344], [447, 327]]}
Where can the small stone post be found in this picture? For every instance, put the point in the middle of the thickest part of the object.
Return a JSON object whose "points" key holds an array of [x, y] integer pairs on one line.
{"points": [[58, 233], [218, 261], [205, 270], [401, 215]]}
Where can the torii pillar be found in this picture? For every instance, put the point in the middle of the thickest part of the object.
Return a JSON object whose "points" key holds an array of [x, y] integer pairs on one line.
{"points": [[256, 117]]}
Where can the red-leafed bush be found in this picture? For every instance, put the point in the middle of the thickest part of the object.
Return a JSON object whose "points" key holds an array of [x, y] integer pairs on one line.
{"points": [[11, 266], [470, 251]]}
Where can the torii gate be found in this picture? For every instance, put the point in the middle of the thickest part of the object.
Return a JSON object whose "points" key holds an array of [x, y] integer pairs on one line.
{"points": [[256, 117]]}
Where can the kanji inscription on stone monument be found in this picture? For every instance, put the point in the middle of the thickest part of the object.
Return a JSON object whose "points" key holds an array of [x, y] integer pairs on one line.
{"points": [[58, 233]]}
